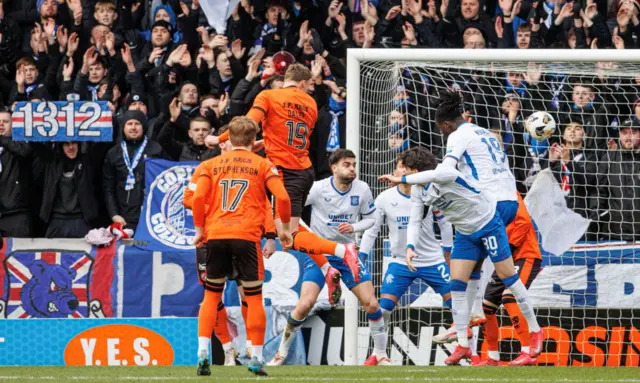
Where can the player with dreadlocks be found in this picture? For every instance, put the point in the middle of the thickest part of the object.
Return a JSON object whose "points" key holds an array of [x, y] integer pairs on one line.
{"points": [[479, 155]]}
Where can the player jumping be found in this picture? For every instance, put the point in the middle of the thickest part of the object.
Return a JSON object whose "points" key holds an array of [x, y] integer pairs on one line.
{"points": [[288, 116], [479, 156], [336, 203], [480, 233], [234, 186], [415, 251]]}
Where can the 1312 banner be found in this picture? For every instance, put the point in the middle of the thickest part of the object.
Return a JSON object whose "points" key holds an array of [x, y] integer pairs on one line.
{"points": [[62, 121]]}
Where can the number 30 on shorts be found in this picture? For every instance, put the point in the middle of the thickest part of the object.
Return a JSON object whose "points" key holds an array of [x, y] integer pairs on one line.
{"points": [[490, 243]]}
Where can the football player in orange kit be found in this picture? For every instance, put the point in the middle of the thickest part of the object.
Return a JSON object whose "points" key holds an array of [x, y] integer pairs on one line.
{"points": [[288, 116], [221, 329], [232, 192]]}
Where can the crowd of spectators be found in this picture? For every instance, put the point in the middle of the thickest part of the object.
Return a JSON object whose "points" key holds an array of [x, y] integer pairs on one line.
{"points": [[171, 79]]}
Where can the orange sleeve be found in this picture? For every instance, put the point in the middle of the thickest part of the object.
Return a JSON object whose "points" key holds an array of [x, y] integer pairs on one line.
{"points": [[283, 203], [187, 199], [223, 137], [269, 222], [260, 107], [200, 197]]}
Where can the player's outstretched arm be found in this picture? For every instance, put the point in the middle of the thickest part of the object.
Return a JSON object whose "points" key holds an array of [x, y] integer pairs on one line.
{"points": [[441, 174], [257, 113]]}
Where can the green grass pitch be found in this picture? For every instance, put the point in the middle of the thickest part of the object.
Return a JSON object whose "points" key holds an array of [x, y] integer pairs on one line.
{"points": [[323, 374]]}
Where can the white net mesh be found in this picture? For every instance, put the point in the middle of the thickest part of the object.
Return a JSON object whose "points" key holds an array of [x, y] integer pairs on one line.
{"points": [[596, 167]]}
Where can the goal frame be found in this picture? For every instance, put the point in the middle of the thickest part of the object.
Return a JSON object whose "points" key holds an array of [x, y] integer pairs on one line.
{"points": [[356, 56]]}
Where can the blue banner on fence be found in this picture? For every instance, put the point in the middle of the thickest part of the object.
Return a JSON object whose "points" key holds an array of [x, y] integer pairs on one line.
{"points": [[62, 121], [165, 224], [99, 342]]}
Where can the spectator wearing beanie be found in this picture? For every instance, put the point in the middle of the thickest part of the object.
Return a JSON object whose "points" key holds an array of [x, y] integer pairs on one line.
{"points": [[15, 171], [70, 203], [156, 51], [123, 171]]}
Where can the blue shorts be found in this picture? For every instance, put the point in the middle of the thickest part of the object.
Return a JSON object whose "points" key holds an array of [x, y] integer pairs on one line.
{"points": [[312, 273], [490, 241], [398, 278], [507, 210], [345, 273]]}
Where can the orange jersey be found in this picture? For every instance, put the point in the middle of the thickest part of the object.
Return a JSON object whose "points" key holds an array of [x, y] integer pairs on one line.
{"points": [[522, 234], [235, 186], [288, 117], [189, 192]]}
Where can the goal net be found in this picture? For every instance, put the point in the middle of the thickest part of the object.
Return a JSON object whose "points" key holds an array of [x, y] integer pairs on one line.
{"points": [[585, 296]]}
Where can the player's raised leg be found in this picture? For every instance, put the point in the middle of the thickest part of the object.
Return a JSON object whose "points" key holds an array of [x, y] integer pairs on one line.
{"points": [[312, 284]]}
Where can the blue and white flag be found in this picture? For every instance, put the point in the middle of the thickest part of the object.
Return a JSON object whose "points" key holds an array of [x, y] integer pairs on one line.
{"points": [[165, 224], [62, 121]]}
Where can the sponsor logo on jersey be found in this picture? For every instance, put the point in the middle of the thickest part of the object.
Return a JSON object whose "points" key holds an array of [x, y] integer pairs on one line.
{"points": [[355, 200], [327, 199]]}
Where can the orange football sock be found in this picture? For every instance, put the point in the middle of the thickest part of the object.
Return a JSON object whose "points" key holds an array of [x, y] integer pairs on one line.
{"points": [[209, 311], [257, 319], [315, 246], [244, 310], [222, 330], [491, 332], [519, 322]]}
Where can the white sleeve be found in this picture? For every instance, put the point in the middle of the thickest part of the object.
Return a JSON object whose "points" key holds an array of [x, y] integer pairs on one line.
{"points": [[313, 193], [415, 220], [365, 222], [441, 174], [368, 205], [446, 230], [456, 145], [371, 234]]}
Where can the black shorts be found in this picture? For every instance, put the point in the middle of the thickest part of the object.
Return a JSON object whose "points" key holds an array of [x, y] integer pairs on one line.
{"points": [[298, 183], [234, 258], [527, 268]]}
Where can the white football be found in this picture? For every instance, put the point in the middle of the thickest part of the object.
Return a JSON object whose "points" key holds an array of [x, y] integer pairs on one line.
{"points": [[540, 125]]}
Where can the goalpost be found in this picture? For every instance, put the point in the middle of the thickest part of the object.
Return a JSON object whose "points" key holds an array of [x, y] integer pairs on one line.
{"points": [[390, 108]]}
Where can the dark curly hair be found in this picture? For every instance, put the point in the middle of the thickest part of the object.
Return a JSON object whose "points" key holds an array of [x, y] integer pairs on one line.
{"points": [[449, 107], [418, 158]]}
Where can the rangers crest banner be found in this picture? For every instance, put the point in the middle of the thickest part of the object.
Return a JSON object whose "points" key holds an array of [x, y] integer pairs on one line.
{"points": [[165, 224], [62, 121]]}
